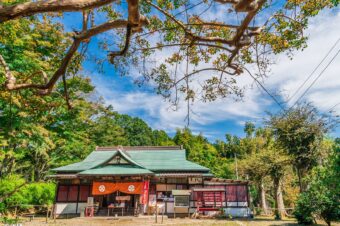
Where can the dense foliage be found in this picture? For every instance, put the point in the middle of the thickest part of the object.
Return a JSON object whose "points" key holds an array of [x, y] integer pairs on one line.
{"points": [[323, 193]]}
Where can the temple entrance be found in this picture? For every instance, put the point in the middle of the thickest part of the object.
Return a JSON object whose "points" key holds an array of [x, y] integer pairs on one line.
{"points": [[119, 198], [116, 204]]}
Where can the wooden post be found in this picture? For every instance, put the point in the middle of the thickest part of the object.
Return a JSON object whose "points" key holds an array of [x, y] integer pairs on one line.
{"points": [[47, 210], [156, 213], [54, 213]]}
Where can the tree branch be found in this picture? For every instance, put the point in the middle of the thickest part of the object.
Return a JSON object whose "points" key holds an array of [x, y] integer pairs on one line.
{"points": [[182, 44], [216, 24], [32, 8], [10, 79], [66, 93], [122, 52], [47, 87], [199, 71], [236, 41]]}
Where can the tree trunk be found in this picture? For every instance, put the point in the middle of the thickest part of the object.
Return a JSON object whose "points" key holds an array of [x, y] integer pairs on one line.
{"points": [[263, 199], [300, 179], [301, 174], [279, 205]]}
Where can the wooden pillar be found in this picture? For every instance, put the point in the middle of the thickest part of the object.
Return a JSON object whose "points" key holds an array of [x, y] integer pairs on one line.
{"points": [[225, 196], [77, 198]]}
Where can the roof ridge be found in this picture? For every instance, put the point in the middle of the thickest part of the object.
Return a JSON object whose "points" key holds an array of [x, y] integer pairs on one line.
{"points": [[139, 148]]}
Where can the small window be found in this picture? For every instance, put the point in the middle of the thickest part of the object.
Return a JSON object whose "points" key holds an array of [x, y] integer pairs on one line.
{"points": [[181, 201]]}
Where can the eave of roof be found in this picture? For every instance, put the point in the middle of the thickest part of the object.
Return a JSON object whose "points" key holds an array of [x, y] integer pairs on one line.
{"points": [[221, 181], [138, 148], [63, 176], [116, 170], [179, 174]]}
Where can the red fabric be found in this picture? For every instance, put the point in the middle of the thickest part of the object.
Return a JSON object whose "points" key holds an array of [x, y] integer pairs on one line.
{"points": [[104, 188], [146, 192]]}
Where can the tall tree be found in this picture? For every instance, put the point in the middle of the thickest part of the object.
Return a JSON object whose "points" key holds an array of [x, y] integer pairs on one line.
{"points": [[300, 131], [199, 150]]}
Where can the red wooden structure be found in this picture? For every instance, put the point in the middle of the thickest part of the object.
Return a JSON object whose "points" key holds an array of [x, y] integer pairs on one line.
{"points": [[209, 199]]}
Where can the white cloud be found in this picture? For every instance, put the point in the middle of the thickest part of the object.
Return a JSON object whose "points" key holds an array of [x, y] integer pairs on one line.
{"points": [[287, 76]]}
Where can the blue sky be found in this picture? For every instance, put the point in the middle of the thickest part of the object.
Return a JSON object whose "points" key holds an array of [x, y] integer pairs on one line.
{"points": [[223, 116]]}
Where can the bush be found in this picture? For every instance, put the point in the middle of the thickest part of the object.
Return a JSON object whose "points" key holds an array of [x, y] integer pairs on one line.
{"points": [[322, 196], [41, 193], [303, 211]]}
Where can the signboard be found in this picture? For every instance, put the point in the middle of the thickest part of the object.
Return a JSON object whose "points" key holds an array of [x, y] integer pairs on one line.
{"points": [[89, 201], [152, 200], [123, 198], [181, 201], [195, 180]]}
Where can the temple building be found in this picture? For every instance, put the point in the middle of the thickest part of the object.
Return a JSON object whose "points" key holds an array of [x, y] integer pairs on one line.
{"points": [[137, 180]]}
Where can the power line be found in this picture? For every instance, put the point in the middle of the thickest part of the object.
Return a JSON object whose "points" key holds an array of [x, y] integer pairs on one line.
{"points": [[316, 68], [321, 73], [329, 110], [264, 88]]}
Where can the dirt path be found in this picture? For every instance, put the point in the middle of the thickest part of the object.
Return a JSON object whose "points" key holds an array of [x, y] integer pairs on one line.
{"points": [[146, 221]]}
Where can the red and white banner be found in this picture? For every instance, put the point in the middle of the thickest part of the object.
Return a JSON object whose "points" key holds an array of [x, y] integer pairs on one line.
{"points": [[145, 196], [104, 188]]}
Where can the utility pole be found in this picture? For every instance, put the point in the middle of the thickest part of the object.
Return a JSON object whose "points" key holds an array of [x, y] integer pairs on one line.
{"points": [[236, 171]]}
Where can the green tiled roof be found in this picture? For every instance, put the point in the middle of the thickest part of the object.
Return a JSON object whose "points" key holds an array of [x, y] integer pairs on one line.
{"points": [[165, 160], [116, 170], [147, 161], [91, 161]]}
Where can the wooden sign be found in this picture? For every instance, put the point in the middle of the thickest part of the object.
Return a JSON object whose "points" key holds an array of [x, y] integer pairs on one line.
{"points": [[195, 180], [123, 198], [75, 181], [89, 201]]}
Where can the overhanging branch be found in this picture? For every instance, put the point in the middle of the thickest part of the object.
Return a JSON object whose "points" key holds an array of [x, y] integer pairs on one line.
{"points": [[47, 87], [32, 8]]}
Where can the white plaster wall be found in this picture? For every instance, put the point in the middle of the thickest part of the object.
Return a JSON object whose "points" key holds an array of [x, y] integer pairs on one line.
{"points": [[243, 204], [237, 212], [81, 207], [231, 203], [170, 207], [65, 208]]}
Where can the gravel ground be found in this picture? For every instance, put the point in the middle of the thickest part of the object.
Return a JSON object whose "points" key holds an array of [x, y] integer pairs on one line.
{"points": [[132, 221]]}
